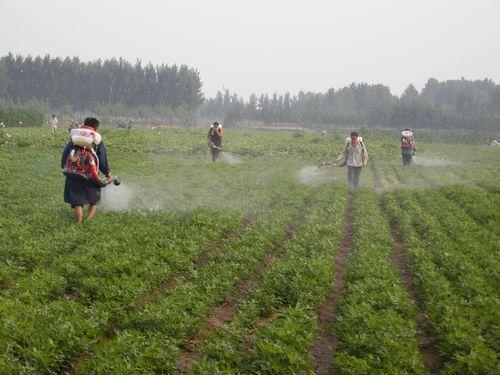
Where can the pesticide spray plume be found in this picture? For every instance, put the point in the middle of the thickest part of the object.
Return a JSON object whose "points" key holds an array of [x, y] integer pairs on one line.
{"points": [[120, 199], [169, 189], [230, 159], [315, 176], [424, 173], [427, 161]]}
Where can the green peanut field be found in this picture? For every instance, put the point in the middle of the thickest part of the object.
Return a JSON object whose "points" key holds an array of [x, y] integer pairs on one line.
{"points": [[262, 263]]}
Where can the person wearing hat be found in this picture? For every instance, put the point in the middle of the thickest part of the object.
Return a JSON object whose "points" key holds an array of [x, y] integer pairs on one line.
{"points": [[214, 140]]}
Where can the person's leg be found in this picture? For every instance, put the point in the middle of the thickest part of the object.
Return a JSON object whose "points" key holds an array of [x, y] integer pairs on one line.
{"points": [[92, 210], [357, 172], [406, 159], [215, 156], [78, 213], [350, 178]]}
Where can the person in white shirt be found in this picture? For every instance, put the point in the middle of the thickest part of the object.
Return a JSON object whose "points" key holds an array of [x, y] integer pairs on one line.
{"points": [[53, 125], [356, 157]]}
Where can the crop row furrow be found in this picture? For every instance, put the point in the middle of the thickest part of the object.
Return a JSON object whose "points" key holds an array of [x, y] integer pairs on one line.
{"points": [[478, 204], [178, 276], [468, 261], [376, 327], [205, 257], [327, 341], [273, 327], [427, 342], [224, 312], [169, 321], [118, 275], [457, 223], [464, 326]]}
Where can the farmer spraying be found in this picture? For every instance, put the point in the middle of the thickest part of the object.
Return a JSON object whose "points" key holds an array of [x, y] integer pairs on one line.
{"points": [[408, 147], [4, 138], [356, 157], [214, 139], [83, 157], [53, 125]]}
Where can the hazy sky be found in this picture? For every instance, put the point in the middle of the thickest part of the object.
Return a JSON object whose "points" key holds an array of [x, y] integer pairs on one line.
{"points": [[270, 46]]}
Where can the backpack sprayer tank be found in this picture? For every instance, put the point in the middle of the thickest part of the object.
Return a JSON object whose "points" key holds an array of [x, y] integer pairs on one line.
{"points": [[407, 133], [86, 139]]}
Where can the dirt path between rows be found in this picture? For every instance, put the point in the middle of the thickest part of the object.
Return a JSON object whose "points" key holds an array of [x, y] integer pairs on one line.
{"points": [[427, 343], [169, 283], [321, 351], [225, 311], [200, 262]]}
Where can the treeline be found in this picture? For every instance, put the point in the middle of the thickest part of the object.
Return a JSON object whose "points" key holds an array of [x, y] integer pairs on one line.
{"points": [[460, 104], [85, 86], [12, 115]]}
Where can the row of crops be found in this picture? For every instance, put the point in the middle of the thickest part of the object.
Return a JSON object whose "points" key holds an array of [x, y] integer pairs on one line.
{"points": [[455, 263], [223, 269]]}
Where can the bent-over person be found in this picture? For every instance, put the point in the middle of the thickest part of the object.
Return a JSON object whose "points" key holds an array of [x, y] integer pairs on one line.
{"points": [[214, 140]]}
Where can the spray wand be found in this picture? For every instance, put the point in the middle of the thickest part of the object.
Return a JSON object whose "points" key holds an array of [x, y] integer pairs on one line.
{"points": [[103, 182], [335, 163]]}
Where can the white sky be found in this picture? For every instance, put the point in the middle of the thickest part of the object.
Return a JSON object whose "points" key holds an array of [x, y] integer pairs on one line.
{"points": [[270, 46]]}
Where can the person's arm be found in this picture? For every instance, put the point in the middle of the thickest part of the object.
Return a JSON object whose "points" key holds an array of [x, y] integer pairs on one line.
{"points": [[365, 156], [209, 141], [65, 153], [346, 150], [221, 134], [103, 159]]}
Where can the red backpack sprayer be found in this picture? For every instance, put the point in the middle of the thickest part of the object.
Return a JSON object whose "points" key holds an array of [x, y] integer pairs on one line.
{"points": [[82, 161]]}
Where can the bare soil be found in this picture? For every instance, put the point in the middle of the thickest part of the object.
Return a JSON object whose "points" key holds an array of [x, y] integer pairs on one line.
{"points": [[433, 362], [224, 312], [204, 259], [327, 341], [160, 288], [262, 323]]}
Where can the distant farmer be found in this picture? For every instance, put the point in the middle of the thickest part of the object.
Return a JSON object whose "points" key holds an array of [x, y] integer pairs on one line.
{"points": [[83, 157], [408, 147], [53, 125], [214, 139], [356, 157], [4, 139]]}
